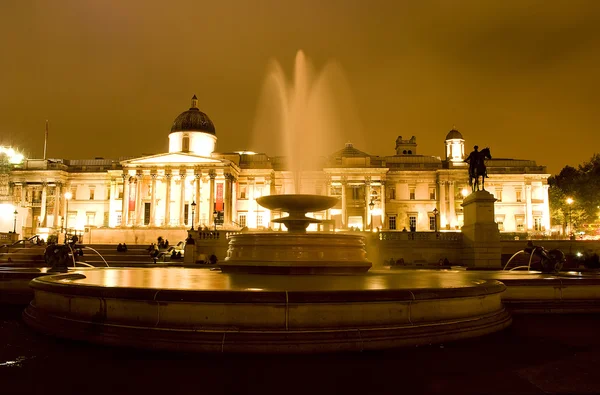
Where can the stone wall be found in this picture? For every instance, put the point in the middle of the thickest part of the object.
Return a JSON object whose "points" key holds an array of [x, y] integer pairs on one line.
{"points": [[132, 236]]}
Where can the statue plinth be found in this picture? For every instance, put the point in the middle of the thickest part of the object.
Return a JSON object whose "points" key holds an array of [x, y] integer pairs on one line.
{"points": [[481, 238]]}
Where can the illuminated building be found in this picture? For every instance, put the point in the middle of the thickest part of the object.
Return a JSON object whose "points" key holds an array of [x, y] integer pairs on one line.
{"points": [[138, 199]]}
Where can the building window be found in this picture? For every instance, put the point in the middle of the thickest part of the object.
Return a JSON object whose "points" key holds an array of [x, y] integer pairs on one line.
{"points": [[242, 220], [258, 191], [432, 193], [392, 222], [74, 193], [90, 218], [119, 219], [243, 191], [519, 193], [393, 193], [185, 144], [520, 221], [500, 223], [432, 222], [336, 190], [121, 191], [498, 195], [259, 220], [92, 192], [355, 193], [412, 222], [412, 194], [537, 223]]}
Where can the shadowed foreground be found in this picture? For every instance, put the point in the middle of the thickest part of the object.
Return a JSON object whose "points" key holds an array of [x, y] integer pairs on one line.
{"points": [[537, 354]]}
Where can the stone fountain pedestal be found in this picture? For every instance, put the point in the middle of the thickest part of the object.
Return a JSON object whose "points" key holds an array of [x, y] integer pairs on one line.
{"points": [[296, 251]]}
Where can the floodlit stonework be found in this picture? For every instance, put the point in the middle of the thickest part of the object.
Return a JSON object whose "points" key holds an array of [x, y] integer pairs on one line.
{"points": [[137, 199]]}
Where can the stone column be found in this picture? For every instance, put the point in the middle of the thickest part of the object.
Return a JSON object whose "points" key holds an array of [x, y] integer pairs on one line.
{"points": [[227, 203], [43, 220], [480, 235], [528, 207], [211, 200], [344, 208], [383, 216], [182, 177], [125, 200], [198, 196], [368, 216], [64, 201], [153, 201], [55, 209], [546, 209], [138, 199], [168, 199], [443, 219], [451, 195]]}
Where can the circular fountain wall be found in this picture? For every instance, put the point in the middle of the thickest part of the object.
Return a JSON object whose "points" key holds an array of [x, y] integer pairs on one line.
{"points": [[295, 251]]}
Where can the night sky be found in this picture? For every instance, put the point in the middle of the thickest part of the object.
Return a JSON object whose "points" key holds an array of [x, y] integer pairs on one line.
{"points": [[522, 77]]}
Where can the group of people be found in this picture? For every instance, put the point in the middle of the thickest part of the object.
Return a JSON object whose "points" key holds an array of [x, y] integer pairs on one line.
{"points": [[122, 247]]}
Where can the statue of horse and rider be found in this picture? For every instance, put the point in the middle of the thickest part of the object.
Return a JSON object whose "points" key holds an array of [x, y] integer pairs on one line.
{"points": [[476, 161]]}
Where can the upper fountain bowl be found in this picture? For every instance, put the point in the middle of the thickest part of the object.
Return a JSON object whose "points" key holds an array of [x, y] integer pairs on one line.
{"points": [[297, 203]]}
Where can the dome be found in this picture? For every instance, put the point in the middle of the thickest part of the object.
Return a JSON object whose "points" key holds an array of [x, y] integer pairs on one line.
{"points": [[454, 134], [193, 120]]}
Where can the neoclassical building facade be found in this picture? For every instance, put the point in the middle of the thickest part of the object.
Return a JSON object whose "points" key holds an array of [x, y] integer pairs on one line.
{"points": [[192, 184]]}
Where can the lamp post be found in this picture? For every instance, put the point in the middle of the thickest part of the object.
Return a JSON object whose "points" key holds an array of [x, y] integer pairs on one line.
{"points": [[15, 223], [371, 206], [193, 213], [215, 215], [435, 219], [570, 202], [68, 196]]}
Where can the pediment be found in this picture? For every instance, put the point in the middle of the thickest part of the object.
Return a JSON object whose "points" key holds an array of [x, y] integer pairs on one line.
{"points": [[170, 159]]}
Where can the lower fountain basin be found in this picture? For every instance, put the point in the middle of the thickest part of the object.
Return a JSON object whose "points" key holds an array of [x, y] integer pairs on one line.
{"points": [[294, 253], [199, 310]]}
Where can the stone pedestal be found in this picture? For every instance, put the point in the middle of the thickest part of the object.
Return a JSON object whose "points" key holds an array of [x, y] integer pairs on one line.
{"points": [[481, 238]]}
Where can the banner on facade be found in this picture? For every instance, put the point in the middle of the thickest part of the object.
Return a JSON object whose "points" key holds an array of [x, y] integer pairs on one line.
{"points": [[131, 199], [219, 202]]}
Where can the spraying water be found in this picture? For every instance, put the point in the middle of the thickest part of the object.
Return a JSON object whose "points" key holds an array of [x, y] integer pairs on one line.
{"points": [[302, 119]]}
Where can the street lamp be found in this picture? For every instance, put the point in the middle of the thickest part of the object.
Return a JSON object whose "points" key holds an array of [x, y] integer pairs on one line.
{"points": [[435, 219], [570, 202], [215, 215], [68, 196], [15, 223], [371, 206], [193, 212]]}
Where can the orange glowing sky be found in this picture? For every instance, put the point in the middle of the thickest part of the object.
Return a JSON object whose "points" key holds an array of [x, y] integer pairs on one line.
{"points": [[520, 76]]}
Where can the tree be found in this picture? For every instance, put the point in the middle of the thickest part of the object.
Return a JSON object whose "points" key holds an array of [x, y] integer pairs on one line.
{"points": [[582, 185]]}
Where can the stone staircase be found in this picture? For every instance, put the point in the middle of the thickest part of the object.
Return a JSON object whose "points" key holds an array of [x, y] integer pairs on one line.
{"points": [[33, 256]]}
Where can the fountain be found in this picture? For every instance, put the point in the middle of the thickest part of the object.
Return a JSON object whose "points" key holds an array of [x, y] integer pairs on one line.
{"points": [[296, 251]]}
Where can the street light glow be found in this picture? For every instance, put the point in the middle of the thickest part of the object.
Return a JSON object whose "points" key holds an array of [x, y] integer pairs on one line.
{"points": [[570, 201]]}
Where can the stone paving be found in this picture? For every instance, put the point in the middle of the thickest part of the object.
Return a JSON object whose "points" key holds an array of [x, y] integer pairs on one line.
{"points": [[538, 354]]}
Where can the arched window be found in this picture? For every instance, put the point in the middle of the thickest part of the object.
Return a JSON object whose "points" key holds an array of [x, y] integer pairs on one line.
{"points": [[409, 152], [404, 152], [185, 144]]}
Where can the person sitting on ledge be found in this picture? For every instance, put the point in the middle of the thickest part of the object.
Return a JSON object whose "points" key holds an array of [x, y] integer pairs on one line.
{"points": [[124, 247], [119, 247], [404, 229]]}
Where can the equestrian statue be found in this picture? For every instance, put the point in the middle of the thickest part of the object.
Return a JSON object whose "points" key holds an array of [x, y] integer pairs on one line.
{"points": [[476, 161]]}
